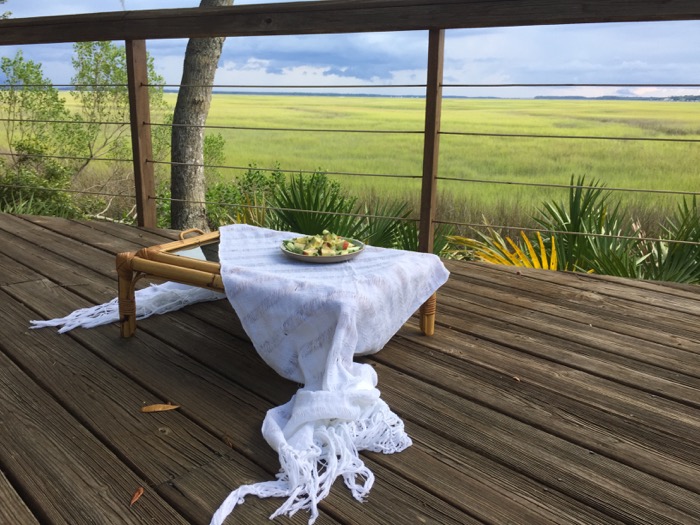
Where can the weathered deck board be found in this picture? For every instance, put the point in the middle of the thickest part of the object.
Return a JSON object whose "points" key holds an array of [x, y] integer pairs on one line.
{"points": [[69, 483], [13, 509], [543, 398]]}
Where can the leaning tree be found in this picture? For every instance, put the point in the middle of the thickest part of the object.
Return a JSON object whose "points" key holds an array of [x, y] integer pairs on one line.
{"points": [[187, 182]]}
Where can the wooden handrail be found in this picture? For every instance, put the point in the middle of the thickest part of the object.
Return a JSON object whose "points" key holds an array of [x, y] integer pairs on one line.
{"points": [[336, 16]]}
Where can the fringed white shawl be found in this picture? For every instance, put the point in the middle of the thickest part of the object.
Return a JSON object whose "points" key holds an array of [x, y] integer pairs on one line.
{"points": [[308, 321]]}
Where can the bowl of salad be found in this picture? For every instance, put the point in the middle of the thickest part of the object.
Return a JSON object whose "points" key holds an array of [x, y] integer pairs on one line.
{"points": [[325, 247]]}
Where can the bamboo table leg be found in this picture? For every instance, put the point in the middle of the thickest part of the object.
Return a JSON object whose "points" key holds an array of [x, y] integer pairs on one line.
{"points": [[127, 301], [427, 315]]}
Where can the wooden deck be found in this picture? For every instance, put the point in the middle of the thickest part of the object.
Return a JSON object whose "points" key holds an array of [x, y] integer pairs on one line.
{"points": [[544, 397]]}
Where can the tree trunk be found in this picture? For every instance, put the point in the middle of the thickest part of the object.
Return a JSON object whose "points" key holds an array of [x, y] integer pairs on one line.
{"points": [[187, 183]]}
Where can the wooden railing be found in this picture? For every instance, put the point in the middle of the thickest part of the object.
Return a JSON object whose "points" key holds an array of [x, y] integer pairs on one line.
{"points": [[331, 16]]}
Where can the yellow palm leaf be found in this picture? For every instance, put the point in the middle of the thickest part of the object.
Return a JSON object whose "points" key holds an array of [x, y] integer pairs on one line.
{"points": [[531, 250], [519, 255], [553, 257], [497, 250]]}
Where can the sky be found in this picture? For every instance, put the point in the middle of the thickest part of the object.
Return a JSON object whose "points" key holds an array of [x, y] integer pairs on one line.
{"points": [[632, 53]]}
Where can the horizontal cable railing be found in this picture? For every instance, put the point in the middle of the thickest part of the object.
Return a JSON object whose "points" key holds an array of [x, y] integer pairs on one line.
{"points": [[290, 86], [639, 238], [63, 157], [574, 137], [379, 175], [48, 121], [234, 205], [369, 131], [278, 208], [569, 186], [67, 190], [316, 130], [570, 85], [282, 170]]}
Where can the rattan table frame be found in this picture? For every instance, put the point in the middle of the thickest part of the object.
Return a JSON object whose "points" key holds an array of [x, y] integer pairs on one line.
{"points": [[160, 262]]}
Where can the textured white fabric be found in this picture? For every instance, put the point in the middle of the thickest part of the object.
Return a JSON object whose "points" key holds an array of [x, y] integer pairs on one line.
{"points": [[155, 299], [307, 321]]}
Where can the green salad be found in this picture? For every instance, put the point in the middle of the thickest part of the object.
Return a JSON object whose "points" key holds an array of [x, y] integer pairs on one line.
{"points": [[325, 244]]}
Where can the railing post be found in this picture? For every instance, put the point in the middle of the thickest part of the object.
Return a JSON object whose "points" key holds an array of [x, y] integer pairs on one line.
{"points": [[431, 147], [137, 74]]}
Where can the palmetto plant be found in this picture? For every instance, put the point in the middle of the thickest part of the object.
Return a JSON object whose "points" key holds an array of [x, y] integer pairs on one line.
{"points": [[494, 248], [408, 238], [586, 225], [311, 204], [676, 261], [590, 233]]}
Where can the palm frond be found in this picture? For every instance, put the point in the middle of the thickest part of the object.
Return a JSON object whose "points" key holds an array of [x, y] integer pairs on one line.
{"points": [[495, 249]]}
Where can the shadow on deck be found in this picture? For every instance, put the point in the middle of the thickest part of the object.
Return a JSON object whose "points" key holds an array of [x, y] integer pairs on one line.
{"points": [[543, 397]]}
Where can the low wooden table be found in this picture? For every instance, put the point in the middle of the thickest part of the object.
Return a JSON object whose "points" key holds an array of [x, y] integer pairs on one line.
{"points": [[194, 261]]}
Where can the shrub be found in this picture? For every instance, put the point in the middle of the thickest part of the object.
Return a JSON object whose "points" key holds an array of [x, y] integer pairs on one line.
{"points": [[590, 233], [36, 186]]}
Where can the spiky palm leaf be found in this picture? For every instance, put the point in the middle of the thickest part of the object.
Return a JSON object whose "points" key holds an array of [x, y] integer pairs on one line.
{"points": [[677, 261], [495, 249], [408, 238], [383, 224], [312, 204]]}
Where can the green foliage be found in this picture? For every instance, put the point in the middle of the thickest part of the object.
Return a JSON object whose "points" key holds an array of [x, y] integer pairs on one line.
{"points": [[385, 224], [495, 249], [163, 203], [586, 211], [408, 236], [676, 261], [101, 91], [311, 204], [214, 155], [38, 123], [36, 186], [241, 200], [590, 233], [31, 106]]}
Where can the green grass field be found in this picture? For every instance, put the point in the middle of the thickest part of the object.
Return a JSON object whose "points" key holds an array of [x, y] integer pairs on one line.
{"points": [[495, 162], [485, 168]]}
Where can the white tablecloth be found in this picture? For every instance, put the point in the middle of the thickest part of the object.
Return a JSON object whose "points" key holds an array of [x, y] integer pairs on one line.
{"points": [[307, 321]]}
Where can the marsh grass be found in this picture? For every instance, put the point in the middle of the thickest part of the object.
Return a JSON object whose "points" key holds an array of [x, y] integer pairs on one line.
{"points": [[486, 169]]}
